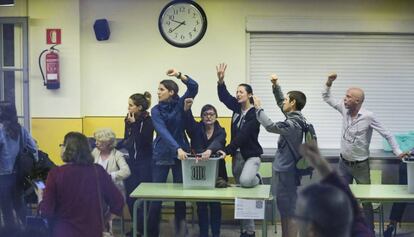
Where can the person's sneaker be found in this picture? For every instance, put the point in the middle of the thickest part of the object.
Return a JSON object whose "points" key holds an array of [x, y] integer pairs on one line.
{"points": [[260, 178], [389, 231], [245, 234]]}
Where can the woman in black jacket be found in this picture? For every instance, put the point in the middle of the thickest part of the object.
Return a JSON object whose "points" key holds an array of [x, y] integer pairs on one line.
{"points": [[207, 137], [244, 146], [139, 132]]}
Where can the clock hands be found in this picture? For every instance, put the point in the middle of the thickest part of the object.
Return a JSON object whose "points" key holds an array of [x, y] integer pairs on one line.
{"points": [[181, 23], [176, 21]]}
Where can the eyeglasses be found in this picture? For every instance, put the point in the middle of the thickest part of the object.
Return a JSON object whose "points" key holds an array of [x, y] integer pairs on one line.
{"points": [[209, 114]]}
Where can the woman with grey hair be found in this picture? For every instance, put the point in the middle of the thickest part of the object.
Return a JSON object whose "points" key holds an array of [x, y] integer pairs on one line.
{"points": [[109, 158]]}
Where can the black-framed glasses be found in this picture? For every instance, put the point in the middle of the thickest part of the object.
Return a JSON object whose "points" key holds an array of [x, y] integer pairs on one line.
{"points": [[207, 114]]}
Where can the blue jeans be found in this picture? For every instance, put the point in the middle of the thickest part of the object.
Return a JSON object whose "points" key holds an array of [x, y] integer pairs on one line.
{"points": [[397, 209], [204, 221], [159, 175]]}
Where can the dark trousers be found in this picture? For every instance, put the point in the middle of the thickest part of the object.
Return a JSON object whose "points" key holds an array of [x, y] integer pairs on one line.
{"points": [[141, 172], [10, 200], [397, 209], [204, 220], [159, 175]]}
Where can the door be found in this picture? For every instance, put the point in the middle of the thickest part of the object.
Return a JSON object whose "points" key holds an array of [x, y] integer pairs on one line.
{"points": [[14, 78]]}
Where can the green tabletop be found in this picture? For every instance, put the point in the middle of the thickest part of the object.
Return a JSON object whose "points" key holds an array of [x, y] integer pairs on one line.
{"points": [[382, 192], [176, 191]]}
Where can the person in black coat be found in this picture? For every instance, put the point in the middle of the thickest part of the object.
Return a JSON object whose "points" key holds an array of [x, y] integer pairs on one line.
{"points": [[138, 137], [207, 137]]}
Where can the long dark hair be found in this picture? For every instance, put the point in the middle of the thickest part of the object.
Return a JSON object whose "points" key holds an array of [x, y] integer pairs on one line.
{"points": [[77, 149], [8, 117], [171, 86]]}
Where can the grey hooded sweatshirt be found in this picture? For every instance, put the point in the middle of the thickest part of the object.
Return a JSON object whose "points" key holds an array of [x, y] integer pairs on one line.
{"points": [[289, 129]]}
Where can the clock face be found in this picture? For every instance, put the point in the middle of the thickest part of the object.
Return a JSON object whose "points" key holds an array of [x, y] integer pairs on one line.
{"points": [[182, 23]]}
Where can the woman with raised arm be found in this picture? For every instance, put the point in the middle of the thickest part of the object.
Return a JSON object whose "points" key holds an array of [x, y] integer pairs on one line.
{"points": [[171, 143], [244, 146]]}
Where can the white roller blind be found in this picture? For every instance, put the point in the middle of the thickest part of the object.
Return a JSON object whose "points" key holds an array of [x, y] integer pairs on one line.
{"points": [[383, 65]]}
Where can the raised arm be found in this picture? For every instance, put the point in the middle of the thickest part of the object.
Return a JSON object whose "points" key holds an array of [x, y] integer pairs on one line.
{"points": [[224, 95], [327, 96], [277, 91], [192, 86], [190, 122]]}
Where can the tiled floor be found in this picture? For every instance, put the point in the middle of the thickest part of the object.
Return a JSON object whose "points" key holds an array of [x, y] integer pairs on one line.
{"points": [[232, 230]]}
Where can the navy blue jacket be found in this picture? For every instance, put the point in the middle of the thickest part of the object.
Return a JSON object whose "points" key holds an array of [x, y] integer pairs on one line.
{"points": [[200, 142], [169, 123], [246, 136], [142, 134]]}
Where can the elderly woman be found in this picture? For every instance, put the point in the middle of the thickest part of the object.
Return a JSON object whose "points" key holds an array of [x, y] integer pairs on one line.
{"points": [[109, 158], [72, 190]]}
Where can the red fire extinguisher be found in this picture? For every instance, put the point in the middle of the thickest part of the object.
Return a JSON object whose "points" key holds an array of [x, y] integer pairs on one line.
{"points": [[51, 81]]}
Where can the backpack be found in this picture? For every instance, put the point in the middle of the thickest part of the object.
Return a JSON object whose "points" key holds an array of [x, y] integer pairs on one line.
{"points": [[309, 135]]}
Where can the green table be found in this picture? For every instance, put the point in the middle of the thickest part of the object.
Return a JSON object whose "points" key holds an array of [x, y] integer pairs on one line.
{"points": [[175, 192], [381, 193]]}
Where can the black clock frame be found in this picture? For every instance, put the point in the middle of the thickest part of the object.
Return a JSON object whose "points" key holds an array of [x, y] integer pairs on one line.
{"points": [[195, 40]]}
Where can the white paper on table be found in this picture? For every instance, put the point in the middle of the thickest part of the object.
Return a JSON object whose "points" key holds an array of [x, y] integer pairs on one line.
{"points": [[249, 209]]}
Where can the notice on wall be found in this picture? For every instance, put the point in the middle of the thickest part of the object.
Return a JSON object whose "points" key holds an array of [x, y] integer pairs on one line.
{"points": [[249, 209]]}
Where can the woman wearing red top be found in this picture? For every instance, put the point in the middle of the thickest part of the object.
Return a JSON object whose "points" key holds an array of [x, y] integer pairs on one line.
{"points": [[71, 199]]}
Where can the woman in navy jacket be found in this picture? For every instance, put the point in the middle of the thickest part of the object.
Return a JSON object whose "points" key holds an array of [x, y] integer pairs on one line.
{"points": [[244, 146], [207, 137], [139, 133], [170, 143]]}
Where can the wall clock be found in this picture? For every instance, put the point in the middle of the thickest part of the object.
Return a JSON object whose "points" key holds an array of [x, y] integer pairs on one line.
{"points": [[182, 23]]}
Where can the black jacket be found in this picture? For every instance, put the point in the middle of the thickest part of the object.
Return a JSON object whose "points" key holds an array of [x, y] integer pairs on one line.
{"points": [[138, 139], [246, 135], [199, 141]]}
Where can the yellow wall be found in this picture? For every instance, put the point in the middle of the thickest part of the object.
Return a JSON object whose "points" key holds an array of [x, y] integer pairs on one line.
{"points": [[49, 132]]}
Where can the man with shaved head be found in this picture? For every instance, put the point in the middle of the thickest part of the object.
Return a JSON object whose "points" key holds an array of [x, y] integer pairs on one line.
{"points": [[357, 126]]}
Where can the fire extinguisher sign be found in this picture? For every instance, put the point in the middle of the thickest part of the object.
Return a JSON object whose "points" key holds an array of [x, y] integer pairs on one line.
{"points": [[53, 36]]}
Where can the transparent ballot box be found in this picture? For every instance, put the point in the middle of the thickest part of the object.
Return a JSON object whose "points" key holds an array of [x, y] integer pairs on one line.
{"points": [[200, 174]]}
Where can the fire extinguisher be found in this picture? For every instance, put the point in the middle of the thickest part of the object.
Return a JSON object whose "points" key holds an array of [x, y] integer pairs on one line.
{"points": [[51, 81]]}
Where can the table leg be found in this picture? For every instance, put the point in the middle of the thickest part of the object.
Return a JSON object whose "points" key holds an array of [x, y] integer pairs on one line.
{"points": [[145, 219], [134, 218], [264, 228]]}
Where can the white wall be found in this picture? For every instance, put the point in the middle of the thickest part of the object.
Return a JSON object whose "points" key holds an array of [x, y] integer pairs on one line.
{"points": [[63, 14], [98, 77], [136, 57], [43, 14]]}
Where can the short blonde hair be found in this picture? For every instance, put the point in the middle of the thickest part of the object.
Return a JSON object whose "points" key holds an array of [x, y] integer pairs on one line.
{"points": [[105, 135]]}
